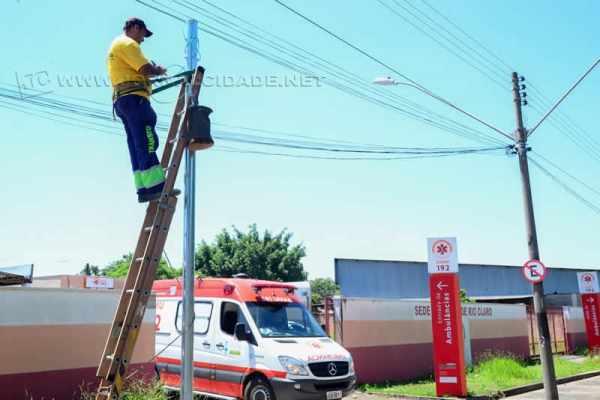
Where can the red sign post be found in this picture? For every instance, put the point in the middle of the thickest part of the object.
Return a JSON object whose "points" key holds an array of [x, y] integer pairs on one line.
{"points": [[589, 287], [591, 313], [446, 318]]}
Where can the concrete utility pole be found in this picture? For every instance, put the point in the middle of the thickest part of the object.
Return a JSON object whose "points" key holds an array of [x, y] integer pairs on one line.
{"points": [[189, 234], [551, 391]]}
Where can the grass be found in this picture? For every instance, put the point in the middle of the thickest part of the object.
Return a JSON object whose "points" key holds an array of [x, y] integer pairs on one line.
{"points": [[491, 376], [137, 390]]}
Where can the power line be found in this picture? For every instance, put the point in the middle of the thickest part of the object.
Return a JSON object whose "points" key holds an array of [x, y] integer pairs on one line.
{"points": [[506, 68], [301, 145], [578, 180], [580, 141], [566, 187], [470, 37], [382, 63], [423, 23], [566, 122], [418, 112], [564, 96]]}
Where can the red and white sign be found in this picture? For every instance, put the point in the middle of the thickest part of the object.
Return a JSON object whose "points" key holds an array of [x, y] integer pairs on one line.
{"points": [[443, 256], [446, 318], [534, 271], [448, 341], [98, 282], [588, 282], [591, 314]]}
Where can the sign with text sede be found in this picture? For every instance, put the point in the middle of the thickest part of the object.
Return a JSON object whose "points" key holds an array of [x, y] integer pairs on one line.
{"points": [[590, 302], [446, 318]]}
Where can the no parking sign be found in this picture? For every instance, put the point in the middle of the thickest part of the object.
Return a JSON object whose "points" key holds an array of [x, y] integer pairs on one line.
{"points": [[534, 271]]}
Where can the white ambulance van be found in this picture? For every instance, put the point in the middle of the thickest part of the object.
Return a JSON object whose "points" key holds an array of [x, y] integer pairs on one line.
{"points": [[253, 340]]}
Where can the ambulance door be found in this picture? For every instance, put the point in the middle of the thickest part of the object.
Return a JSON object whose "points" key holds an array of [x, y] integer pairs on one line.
{"points": [[231, 356], [205, 313]]}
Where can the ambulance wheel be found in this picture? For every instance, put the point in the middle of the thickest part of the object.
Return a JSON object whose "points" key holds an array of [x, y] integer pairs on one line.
{"points": [[258, 389]]}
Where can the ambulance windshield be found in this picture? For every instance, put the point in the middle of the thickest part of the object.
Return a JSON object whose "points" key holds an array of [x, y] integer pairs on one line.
{"points": [[284, 320]]}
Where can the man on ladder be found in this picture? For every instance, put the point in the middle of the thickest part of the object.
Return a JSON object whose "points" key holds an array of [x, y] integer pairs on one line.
{"points": [[129, 72]]}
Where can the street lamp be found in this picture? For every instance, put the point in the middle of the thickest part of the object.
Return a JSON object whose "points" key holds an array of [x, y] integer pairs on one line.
{"points": [[387, 81]]}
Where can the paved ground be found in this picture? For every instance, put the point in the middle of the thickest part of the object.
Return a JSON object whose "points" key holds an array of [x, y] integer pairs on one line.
{"points": [[365, 396], [587, 389]]}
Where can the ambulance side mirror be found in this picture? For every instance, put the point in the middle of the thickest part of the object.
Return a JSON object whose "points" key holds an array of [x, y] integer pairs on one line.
{"points": [[242, 333]]}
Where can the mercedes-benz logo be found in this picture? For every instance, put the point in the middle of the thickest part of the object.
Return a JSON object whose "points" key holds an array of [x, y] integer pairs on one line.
{"points": [[332, 369]]}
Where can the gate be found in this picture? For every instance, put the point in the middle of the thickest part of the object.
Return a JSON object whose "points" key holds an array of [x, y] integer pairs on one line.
{"points": [[557, 327]]}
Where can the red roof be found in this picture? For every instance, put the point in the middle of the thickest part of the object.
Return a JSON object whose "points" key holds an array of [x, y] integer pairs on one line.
{"points": [[238, 289]]}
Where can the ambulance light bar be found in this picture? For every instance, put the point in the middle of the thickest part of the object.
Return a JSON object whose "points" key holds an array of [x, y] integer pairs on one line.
{"points": [[289, 289]]}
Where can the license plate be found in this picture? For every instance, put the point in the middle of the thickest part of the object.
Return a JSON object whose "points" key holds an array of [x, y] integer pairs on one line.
{"points": [[334, 395]]}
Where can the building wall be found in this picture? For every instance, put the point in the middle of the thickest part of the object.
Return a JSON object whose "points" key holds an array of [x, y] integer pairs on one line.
{"points": [[576, 336], [52, 341], [390, 339], [409, 280], [69, 282]]}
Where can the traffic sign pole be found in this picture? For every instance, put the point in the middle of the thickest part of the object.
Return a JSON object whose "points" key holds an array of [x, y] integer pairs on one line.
{"points": [[549, 375]]}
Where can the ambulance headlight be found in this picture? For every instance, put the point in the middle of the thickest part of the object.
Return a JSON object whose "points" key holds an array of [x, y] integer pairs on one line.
{"points": [[293, 366], [351, 366]]}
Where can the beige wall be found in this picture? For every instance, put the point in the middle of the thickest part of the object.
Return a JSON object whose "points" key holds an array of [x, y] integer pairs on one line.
{"points": [[389, 322], [57, 329]]}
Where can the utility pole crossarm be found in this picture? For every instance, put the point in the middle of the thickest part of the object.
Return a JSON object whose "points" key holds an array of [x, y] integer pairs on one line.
{"points": [[564, 96]]}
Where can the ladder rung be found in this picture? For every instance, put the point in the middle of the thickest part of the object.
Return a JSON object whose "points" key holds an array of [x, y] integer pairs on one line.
{"points": [[173, 141], [139, 259]]}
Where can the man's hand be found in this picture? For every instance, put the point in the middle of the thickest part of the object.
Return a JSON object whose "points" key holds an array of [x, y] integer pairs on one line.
{"points": [[161, 70], [152, 70]]}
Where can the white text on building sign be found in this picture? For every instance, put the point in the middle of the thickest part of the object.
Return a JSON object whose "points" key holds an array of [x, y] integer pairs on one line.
{"points": [[443, 257]]}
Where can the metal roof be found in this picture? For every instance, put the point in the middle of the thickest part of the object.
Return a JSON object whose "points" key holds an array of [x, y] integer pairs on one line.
{"points": [[408, 279], [17, 275]]}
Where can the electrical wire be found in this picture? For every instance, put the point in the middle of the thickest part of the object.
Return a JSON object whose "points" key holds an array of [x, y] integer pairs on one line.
{"points": [[394, 70], [78, 115], [566, 187], [504, 67], [300, 54], [576, 179], [350, 88], [460, 52]]}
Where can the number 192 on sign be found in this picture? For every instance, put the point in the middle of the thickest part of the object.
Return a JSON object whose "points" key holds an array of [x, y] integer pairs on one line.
{"points": [[442, 267]]}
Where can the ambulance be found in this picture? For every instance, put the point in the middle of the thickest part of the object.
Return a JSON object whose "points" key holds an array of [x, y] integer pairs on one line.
{"points": [[253, 340]]}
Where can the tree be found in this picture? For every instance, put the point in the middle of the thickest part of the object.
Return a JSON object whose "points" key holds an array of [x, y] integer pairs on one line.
{"points": [[464, 298], [119, 268], [269, 257], [320, 288], [90, 270]]}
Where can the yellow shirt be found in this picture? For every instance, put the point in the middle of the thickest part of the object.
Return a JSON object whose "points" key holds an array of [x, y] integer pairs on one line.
{"points": [[125, 59]]}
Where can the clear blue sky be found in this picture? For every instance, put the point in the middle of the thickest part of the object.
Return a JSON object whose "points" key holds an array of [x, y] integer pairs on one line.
{"points": [[68, 196]]}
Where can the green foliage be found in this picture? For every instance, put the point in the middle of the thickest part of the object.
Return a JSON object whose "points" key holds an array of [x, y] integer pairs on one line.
{"points": [[493, 375], [119, 268], [90, 270], [464, 298], [269, 256], [136, 390], [321, 288]]}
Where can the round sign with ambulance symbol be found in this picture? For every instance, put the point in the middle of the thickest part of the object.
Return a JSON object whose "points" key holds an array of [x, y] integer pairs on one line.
{"points": [[588, 282], [534, 271]]}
